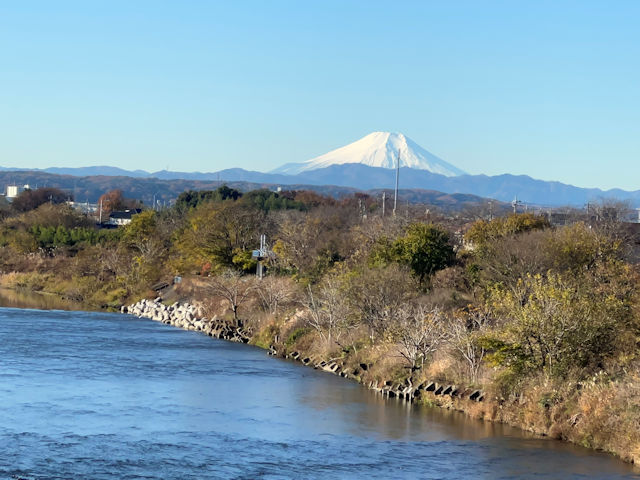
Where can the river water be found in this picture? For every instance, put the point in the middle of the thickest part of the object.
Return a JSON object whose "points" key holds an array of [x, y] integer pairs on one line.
{"points": [[106, 396]]}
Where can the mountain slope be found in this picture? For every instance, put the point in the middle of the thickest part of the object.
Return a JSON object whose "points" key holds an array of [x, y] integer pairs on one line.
{"points": [[501, 187], [336, 178], [82, 171], [378, 149]]}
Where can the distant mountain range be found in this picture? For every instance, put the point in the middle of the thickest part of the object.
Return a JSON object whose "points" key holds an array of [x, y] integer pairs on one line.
{"points": [[368, 164], [501, 187]]}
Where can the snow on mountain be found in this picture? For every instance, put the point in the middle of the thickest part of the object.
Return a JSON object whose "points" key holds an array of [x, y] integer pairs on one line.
{"points": [[378, 149]]}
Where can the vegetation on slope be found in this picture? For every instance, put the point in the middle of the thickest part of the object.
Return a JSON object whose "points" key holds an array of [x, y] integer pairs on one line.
{"points": [[544, 319]]}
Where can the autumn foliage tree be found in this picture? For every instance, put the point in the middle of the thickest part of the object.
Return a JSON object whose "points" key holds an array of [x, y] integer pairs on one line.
{"points": [[111, 201], [31, 199]]}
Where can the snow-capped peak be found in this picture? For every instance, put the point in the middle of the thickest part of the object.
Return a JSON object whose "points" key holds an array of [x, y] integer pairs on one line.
{"points": [[378, 149]]}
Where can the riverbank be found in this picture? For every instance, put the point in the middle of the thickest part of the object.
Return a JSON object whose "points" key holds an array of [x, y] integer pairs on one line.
{"points": [[103, 396], [190, 317], [74, 291], [25, 298], [598, 414], [553, 419]]}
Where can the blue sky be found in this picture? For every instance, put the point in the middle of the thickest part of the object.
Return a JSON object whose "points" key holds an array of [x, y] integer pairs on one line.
{"points": [[548, 89]]}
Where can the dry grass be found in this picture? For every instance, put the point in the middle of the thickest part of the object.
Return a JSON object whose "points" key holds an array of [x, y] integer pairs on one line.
{"points": [[31, 281], [608, 418], [9, 280]]}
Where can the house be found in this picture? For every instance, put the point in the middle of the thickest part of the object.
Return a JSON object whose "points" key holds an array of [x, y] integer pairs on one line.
{"points": [[122, 217]]}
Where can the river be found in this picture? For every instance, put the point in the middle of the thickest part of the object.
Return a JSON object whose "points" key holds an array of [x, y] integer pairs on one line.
{"points": [[88, 395]]}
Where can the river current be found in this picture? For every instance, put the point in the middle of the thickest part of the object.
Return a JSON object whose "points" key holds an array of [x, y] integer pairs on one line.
{"points": [[87, 395]]}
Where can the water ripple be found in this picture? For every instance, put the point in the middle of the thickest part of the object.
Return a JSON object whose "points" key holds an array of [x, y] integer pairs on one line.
{"points": [[103, 396]]}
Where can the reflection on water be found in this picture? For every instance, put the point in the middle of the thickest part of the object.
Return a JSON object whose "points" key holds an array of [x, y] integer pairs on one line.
{"points": [[28, 299], [103, 396]]}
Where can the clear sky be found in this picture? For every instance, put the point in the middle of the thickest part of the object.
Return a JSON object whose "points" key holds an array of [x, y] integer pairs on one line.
{"points": [[549, 89]]}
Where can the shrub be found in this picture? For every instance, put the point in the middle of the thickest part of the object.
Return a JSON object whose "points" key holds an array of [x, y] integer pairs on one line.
{"points": [[425, 248]]}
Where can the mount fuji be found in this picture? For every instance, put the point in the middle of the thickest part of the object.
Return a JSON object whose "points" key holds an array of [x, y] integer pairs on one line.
{"points": [[380, 150]]}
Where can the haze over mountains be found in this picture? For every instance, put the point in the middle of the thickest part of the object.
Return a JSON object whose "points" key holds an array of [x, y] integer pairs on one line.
{"points": [[369, 163]]}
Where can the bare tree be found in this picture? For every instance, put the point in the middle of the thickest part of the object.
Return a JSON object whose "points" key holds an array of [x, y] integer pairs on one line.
{"points": [[378, 294], [274, 291], [612, 219], [112, 261], [464, 329], [327, 311], [421, 331], [232, 287]]}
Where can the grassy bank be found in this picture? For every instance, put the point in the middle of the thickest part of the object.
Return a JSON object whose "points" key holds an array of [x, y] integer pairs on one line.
{"points": [[80, 290], [600, 412]]}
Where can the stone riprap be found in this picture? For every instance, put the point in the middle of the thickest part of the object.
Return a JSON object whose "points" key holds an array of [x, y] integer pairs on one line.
{"points": [[407, 391], [187, 317], [190, 317]]}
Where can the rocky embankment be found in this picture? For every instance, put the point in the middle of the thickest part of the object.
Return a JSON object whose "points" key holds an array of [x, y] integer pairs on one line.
{"points": [[407, 391], [191, 317], [187, 317]]}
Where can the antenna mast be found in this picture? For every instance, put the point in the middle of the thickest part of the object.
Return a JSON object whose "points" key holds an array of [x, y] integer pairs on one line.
{"points": [[395, 196], [515, 204]]}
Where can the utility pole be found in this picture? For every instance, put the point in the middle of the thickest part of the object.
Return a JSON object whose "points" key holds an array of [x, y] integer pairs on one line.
{"points": [[515, 204], [384, 201], [260, 255], [260, 271], [395, 197], [100, 214]]}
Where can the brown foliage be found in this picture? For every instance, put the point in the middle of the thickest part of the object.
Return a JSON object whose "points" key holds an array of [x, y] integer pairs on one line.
{"points": [[114, 200], [31, 199]]}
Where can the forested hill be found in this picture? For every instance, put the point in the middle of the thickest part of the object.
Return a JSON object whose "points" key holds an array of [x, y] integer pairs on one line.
{"points": [[363, 177], [90, 188]]}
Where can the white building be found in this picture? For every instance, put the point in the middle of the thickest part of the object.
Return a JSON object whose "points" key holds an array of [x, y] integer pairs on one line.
{"points": [[84, 207], [14, 190]]}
